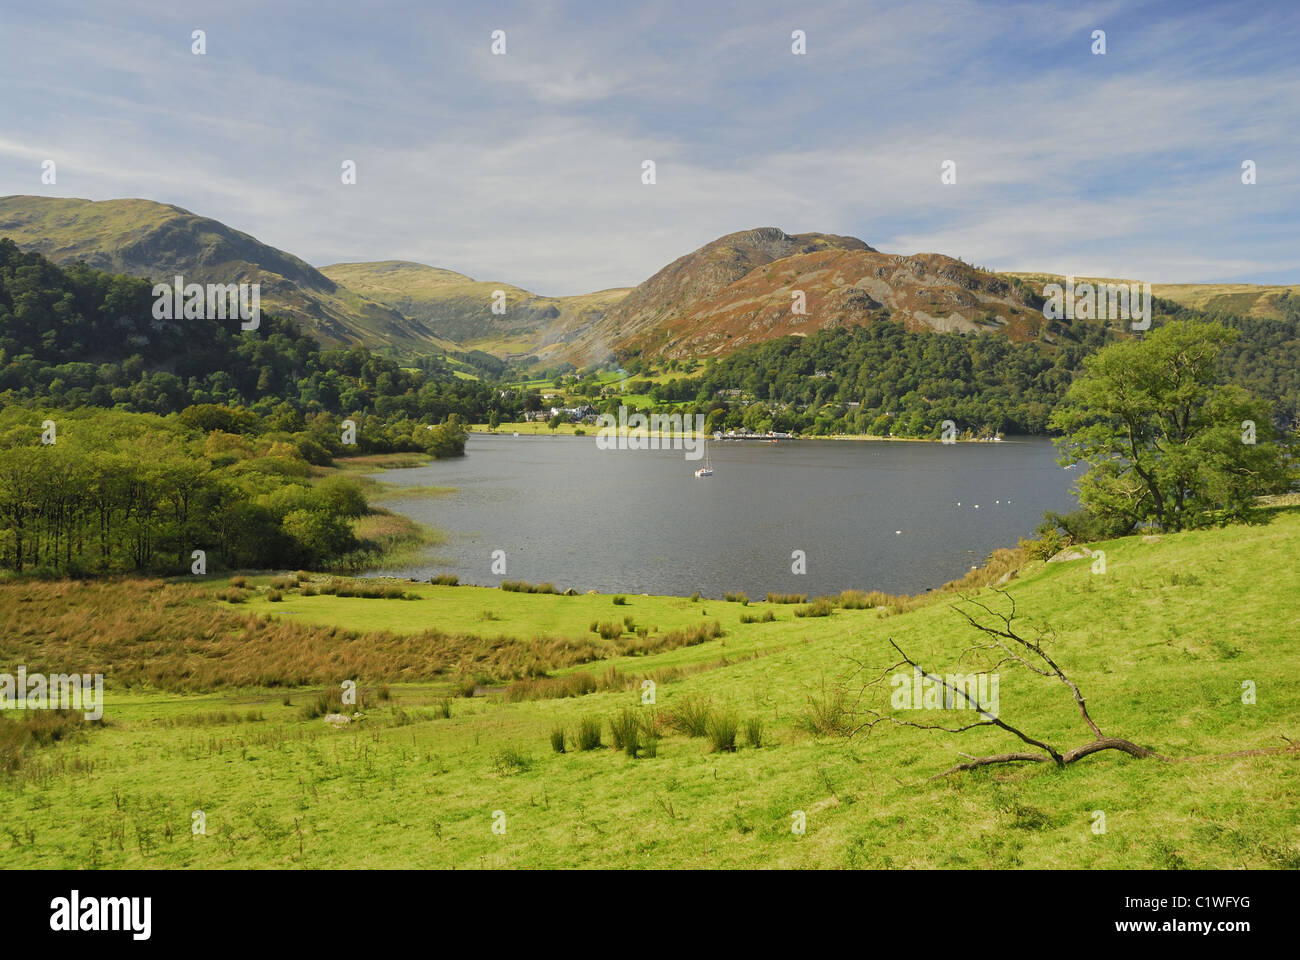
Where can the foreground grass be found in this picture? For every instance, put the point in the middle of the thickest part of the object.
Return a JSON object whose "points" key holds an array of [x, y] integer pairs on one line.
{"points": [[1160, 644]]}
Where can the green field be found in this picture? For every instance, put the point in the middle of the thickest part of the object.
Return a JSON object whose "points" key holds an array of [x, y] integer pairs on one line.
{"points": [[1160, 644]]}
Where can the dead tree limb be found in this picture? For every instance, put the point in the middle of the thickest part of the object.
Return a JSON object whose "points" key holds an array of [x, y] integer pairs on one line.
{"points": [[1008, 646]]}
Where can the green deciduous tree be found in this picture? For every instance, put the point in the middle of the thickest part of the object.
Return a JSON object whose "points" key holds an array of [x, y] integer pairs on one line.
{"points": [[1164, 440]]}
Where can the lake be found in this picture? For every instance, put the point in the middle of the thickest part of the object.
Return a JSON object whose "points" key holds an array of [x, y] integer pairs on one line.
{"points": [[882, 515]]}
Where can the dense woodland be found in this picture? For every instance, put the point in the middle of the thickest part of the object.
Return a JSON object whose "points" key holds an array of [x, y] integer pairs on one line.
{"points": [[95, 491], [72, 337], [884, 379]]}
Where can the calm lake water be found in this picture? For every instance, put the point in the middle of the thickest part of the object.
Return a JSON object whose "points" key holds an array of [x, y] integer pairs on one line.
{"points": [[639, 521]]}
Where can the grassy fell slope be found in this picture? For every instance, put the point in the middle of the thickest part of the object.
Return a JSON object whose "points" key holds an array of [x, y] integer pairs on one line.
{"points": [[159, 241], [1244, 299], [1160, 644], [459, 308]]}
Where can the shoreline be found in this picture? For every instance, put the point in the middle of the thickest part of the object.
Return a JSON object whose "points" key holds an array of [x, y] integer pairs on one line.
{"points": [[540, 429]]}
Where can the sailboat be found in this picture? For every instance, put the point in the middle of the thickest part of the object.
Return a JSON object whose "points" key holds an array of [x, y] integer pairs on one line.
{"points": [[707, 469]]}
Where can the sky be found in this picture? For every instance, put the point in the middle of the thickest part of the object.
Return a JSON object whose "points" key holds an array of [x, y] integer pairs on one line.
{"points": [[526, 167]]}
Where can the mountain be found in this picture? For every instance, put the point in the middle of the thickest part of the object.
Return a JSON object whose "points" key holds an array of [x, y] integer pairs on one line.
{"points": [[740, 289], [158, 241], [459, 308]]}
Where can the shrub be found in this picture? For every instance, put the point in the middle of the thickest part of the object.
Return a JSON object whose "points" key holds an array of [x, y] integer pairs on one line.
{"points": [[821, 607], [548, 688], [557, 739], [721, 731], [442, 708], [324, 704], [465, 687], [740, 598], [275, 596], [767, 616], [521, 586], [588, 733], [690, 716], [509, 760], [241, 582], [308, 590], [652, 724], [754, 731], [860, 600], [625, 731], [383, 693], [787, 598], [610, 630], [302, 576], [620, 601], [446, 580], [695, 597], [284, 583], [828, 714]]}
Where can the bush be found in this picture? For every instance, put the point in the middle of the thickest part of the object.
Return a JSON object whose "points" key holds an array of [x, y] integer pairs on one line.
{"points": [[859, 600], [508, 760], [740, 598], [721, 730], [625, 731], [465, 687], [549, 688], [241, 582], [557, 739], [446, 580], [588, 733], [787, 597], [442, 708], [275, 596], [695, 597], [754, 731], [690, 716], [522, 586], [284, 583], [828, 714], [610, 630], [821, 607], [767, 616], [324, 704], [620, 601]]}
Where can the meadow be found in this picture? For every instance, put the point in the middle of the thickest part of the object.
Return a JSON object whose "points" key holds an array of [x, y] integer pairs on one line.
{"points": [[465, 693]]}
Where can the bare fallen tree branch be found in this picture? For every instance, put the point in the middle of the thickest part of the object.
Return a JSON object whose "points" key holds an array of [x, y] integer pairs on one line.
{"points": [[1009, 646]]}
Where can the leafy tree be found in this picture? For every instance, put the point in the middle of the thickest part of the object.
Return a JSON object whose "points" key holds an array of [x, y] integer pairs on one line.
{"points": [[1163, 438]]}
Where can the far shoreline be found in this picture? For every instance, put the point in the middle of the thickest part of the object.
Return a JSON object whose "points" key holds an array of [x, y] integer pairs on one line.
{"points": [[538, 428]]}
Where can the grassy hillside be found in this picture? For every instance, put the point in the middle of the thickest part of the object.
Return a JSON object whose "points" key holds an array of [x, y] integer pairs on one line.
{"points": [[1244, 299], [1161, 644], [158, 241], [459, 308]]}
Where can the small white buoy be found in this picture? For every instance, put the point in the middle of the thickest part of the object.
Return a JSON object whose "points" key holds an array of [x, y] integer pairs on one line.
{"points": [[977, 506], [959, 503], [898, 533]]}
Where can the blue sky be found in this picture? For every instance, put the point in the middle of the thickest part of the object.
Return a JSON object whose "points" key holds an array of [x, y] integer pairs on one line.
{"points": [[526, 168]]}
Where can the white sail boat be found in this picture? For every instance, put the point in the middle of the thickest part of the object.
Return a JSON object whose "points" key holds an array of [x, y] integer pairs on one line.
{"points": [[707, 469]]}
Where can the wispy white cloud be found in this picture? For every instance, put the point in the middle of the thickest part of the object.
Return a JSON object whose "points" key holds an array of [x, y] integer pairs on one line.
{"points": [[526, 168]]}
